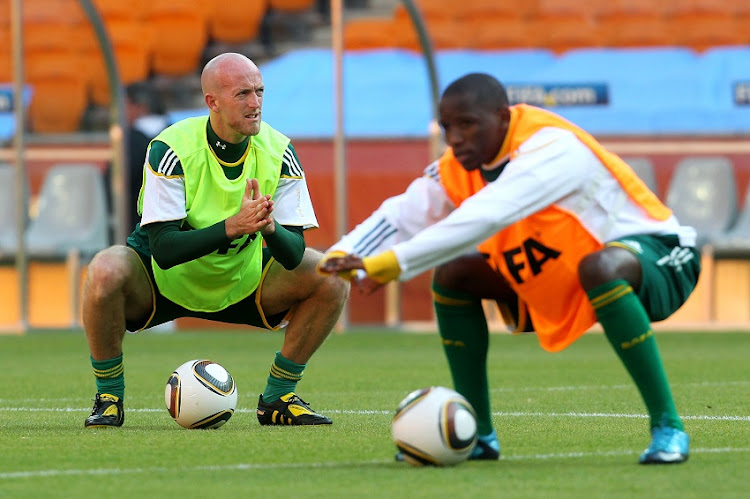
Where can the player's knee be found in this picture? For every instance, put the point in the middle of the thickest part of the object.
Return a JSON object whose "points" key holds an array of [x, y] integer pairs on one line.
{"points": [[106, 273], [332, 288], [608, 265], [449, 275]]}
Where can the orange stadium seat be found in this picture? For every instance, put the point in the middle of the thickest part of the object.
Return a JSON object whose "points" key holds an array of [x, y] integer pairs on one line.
{"points": [[503, 33], [703, 33], [369, 33], [130, 40], [4, 13], [613, 10], [237, 21], [444, 34], [292, 5], [560, 35], [701, 24], [637, 32], [180, 33], [558, 9], [6, 58], [58, 91], [116, 11], [702, 8], [494, 9], [635, 23]]}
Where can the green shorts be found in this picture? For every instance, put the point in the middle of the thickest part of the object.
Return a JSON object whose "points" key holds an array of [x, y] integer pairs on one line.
{"points": [[669, 272], [246, 311]]}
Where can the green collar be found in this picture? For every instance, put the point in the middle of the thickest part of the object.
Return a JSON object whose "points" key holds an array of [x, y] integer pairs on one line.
{"points": [[229, 153]]}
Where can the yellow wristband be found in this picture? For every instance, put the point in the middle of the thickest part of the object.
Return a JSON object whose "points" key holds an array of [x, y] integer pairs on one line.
{"points": [[348, 274], [383, 267]]}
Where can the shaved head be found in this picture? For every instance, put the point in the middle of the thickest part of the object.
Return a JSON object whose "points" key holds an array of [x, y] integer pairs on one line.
{"points": [[222, 65], [233, 91]]}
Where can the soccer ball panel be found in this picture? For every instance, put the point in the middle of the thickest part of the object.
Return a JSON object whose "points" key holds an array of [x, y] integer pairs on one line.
{"points": [[435, 426], [200, 394]]}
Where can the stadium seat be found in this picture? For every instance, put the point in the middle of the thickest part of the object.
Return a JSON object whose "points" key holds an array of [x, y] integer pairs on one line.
{"points": [[131, 41], [567, 33], [8, 212], [6, 58], [635, 23], [493, 34], [637, 32], [735, 242], [444, 34], [703, 194], [703, 32], [116, 11], [644, 168], [180, 34], [59, 96], [632, 9], [73, 213], [369, 33], [237, 21], [493, 9], [566, 9]]}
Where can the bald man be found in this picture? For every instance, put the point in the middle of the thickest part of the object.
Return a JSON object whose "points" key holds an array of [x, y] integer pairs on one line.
{"points": [[214, 189]]}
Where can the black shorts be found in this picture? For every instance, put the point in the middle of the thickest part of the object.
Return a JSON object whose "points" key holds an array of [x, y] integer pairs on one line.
{"points": [[247, 311]]}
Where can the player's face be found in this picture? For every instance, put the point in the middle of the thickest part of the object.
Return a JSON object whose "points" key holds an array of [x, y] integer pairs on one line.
{"points": [[474, 133], [240, 101]]}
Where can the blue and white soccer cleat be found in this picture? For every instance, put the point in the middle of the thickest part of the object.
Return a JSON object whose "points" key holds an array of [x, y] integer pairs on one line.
{"points": [[668, 446]]}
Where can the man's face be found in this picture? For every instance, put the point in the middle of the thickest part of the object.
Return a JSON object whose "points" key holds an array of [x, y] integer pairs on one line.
{"points": [[474, 133], [239, 102]]}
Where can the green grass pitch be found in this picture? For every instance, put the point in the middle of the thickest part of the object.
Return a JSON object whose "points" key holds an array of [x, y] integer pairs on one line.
{"points": [[571, 424]]}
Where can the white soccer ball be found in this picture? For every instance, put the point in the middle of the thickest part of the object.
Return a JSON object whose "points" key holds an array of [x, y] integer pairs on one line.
{"points": [[435, 426], [201, 394]]}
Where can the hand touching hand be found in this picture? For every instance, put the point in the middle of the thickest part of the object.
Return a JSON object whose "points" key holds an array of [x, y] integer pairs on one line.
{"points": [[254, 214]]}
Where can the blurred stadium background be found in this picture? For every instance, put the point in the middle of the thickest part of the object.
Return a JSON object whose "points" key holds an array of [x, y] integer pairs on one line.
{"points": [[664, 83]]}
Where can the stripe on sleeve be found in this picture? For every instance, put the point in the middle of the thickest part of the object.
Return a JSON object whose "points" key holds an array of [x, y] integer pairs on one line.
{"points": [[374, 238]]}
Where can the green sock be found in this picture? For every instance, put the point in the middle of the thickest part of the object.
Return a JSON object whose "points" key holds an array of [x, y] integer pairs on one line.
{"points": [[282, 378], [628, 330], [110, 376], [465, 337]]}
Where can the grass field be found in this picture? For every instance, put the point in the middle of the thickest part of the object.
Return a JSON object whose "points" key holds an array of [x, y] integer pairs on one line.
{"points": [[571, 424]]}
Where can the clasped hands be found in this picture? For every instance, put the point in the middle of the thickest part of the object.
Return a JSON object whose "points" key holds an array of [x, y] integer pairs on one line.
{"points": [[254, 214]]}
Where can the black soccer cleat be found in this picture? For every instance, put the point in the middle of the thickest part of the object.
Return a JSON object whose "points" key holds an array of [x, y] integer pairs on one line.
{"points": [[288, 410], [107, 412]]}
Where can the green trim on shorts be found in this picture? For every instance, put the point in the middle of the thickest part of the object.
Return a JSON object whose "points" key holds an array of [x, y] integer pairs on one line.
{"points": [[247, 311], [669, 272]]}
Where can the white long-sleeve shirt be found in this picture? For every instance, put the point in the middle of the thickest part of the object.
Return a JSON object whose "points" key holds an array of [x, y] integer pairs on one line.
{"points": [[424, 228]]}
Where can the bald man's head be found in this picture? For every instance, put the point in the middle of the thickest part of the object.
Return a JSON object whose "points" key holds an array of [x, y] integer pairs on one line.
{"points": [[220, 66], [233, 91]]}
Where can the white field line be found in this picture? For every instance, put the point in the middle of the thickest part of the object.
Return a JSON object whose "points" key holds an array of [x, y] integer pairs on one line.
{"points": [[10, 475], [626, 386], [369, 412]]}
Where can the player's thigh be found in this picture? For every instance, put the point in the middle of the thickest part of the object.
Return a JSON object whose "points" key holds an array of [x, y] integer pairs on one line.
{"points": [[669, 272], [472, 274], [281, 289]]}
